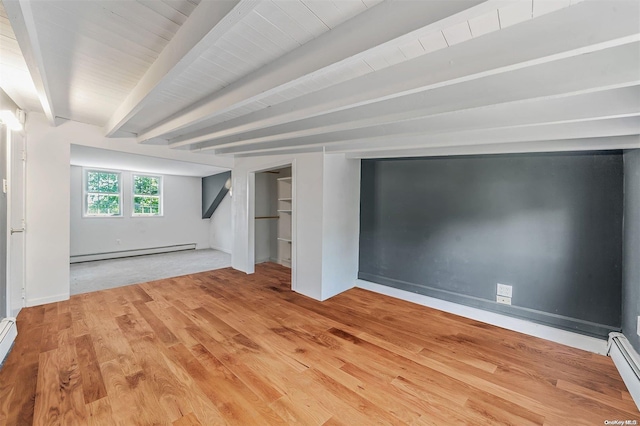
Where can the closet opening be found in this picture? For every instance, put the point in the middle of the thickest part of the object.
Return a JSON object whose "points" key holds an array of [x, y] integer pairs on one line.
{"points": [[274, 205]]}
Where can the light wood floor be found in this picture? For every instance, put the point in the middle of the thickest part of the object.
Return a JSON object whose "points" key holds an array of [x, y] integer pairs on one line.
{"points": [[224, 347]]}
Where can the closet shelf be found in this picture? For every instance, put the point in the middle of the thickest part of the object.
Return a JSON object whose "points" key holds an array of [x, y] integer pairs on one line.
{"points": [[285, 179], [286, 240], [284, 211], [285, 199]]}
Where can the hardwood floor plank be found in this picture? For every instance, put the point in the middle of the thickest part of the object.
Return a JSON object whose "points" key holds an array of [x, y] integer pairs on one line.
{"points": [[23, 359], [73, 407], [161, 330], [223, 347], [99, 413], [48, 403], [188, 420], [92, 382], [218, 388]]}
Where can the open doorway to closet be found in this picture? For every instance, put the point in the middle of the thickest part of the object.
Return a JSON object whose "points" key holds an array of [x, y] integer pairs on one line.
{"points": [[273, 216]]}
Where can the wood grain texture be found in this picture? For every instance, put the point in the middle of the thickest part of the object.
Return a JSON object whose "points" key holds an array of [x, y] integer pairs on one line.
{"points": [[223, 347]]}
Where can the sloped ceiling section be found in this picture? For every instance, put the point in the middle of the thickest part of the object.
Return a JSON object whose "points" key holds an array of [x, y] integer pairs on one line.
{"points": [[369, 78], [214, 189]]}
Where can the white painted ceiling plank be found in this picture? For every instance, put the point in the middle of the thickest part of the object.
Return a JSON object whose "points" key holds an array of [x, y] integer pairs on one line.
{"points": [[412, 49], [21, 16], [279, 18], [367, 30], [210, 21], [166, 11], [484, 24], [591, 129], [616, 103], [616, 26], [515, 13], [563, 145], [545, 81], [301, 14], [101, 27], [541, 7], [326, 11], [457, 33], [182, 6]]}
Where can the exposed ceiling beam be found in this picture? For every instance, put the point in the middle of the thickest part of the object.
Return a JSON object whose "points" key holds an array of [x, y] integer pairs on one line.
{"points": [[564, 145], [381, 24], [23, 24], [519, 89], [617, 103], [209, 21], [575, 130], [545, 39]]}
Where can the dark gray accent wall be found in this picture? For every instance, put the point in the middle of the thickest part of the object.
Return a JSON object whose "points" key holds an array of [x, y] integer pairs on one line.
{"points": [[213, 191], [631, 248], [550, 225]]}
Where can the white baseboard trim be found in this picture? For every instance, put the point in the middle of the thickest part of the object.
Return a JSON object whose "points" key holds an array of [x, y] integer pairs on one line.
{"points": [[263, 260], [8, 334], [49, 299], [224, 250], [130, 253], [564, 337], [627, 361]]}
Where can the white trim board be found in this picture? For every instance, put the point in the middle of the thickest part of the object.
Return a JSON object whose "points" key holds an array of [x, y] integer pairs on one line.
{"points": [[8, 334], [49, 299], [627, 361], [130, 253], [564, 337]]}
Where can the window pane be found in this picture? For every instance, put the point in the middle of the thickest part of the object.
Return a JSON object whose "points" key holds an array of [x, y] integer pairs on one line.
{"points": [[146, 185], [146, 205], [103, 182], [106, 205]]}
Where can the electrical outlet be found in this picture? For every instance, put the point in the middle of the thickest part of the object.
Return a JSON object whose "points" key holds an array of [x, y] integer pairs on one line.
{"points": [[504, 290], [503, 299], [638, 329]]}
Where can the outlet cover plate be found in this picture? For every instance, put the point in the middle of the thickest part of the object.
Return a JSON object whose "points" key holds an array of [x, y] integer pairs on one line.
{"points": [[503, 299], [504, 290], [638, 329]]}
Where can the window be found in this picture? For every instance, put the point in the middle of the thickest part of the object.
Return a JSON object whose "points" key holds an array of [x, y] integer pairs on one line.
{"points": [[147, 195], [102, 193]]}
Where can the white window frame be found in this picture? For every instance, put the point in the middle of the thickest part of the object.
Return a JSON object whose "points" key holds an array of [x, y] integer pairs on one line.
{"points": [[86, 192], [134, 195]]}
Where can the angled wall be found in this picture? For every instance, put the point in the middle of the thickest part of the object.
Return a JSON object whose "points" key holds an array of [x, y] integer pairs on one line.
{"points": [[213, 191]]}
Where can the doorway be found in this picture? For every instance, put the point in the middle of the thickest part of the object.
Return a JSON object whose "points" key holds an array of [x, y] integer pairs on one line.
{"points": [[273, 216]]}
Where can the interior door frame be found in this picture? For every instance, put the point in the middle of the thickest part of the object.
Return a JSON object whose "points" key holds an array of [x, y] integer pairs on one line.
{"points": [[251, 213], [12, 309]]}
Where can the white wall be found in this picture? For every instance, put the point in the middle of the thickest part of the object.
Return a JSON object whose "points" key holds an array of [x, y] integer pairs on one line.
{"points": [[48, 197], [47, 216], [340, 224], [220, 230], [181, 222]]}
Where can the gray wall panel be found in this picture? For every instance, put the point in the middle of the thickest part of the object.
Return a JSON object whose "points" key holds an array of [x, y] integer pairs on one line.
{"points": [[631, 251], [454, 227]]}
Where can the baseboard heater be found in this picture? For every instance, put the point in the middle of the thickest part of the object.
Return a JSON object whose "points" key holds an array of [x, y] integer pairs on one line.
{"points": [[131, 253], [627, 362], [8, 333]]}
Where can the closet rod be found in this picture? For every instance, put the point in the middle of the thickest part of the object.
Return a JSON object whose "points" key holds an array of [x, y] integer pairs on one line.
{"points": [[267, 217]]}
